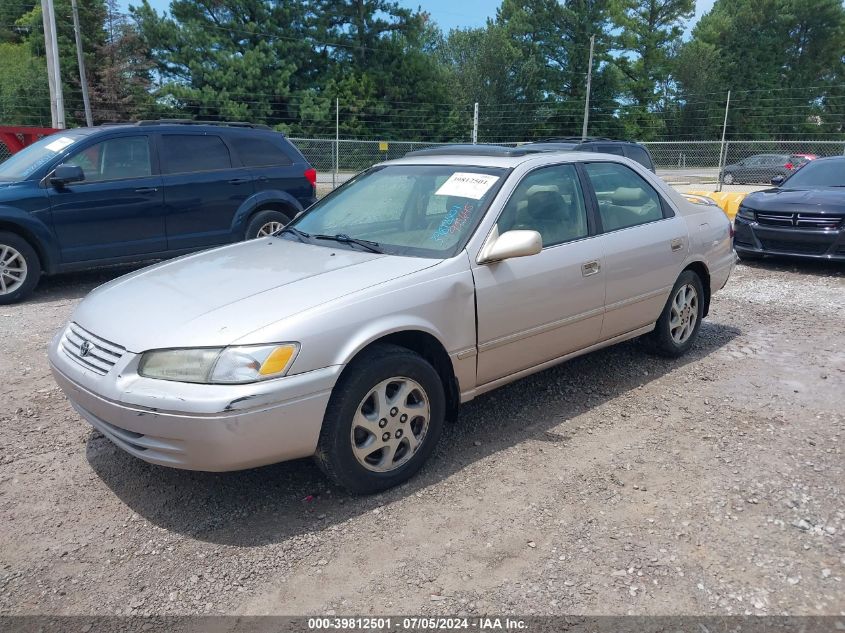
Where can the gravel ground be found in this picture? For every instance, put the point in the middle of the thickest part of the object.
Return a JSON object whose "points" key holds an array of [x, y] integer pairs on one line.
{"points": [[617, 483]]}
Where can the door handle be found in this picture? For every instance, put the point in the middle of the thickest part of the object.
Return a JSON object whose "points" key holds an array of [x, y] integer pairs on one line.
{"points": [[677, 244], [238, 181], [590, 268], [146, 190]]}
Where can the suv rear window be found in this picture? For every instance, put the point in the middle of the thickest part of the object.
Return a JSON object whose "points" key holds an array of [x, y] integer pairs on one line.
{"points": [[259, 152], [637, 153], [185, 153]]}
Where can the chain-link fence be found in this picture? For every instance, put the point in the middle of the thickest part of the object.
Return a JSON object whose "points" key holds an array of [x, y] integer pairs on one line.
{"points": [[699, 161]]}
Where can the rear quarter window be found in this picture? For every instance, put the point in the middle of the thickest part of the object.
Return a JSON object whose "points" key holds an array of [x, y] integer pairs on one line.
{"points": [[637, 153], [257, 151]]}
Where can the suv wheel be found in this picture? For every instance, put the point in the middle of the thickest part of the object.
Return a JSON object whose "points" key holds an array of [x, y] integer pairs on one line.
{"points": [[678, 325], [20, 268], [383, 420], [266, 223], [728, 179]]}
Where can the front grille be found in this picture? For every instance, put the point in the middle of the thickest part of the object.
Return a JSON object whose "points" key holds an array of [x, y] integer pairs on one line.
{"points": [[99, 354], [818, 221], [801, 220], [775, 219], [808, 248]]}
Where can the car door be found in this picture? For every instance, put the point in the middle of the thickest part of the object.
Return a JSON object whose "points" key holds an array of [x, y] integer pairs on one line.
{"points": [[118, 210], [535, 309], [202, 189], [644, 245]]}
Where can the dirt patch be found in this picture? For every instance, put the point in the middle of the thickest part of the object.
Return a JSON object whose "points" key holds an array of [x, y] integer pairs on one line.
{"points": [[616, 483]]}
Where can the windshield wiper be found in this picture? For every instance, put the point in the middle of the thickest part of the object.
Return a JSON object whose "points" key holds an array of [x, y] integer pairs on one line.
{"points": [[343, 238], [302, 235]]}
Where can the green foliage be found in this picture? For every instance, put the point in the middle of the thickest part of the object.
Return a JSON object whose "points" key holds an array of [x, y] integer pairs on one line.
{"points": [[782, 59], [395, 75]]}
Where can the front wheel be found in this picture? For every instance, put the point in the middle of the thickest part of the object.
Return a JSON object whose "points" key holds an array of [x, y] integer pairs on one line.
{"points": [[383, 420], [266, 223], [728, 179], [20, 268], [678, 325]]}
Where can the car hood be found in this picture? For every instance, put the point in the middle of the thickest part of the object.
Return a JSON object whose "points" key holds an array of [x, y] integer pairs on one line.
{"points": [[216, 297], [822, 200]]}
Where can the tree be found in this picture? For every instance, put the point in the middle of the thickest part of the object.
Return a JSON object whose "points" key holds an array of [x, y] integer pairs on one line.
{"points": [[781, 58]]}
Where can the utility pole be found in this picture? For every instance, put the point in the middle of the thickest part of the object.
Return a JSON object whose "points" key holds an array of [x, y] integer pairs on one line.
{"points": [[54, 74], [89, 120], [589, 85], [475, 125], [722, 153]]}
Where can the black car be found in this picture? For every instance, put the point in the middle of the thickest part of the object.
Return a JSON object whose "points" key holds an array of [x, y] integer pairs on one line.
{"points": [[761, 168], [628, 149], [803, 217], [135, 192]]}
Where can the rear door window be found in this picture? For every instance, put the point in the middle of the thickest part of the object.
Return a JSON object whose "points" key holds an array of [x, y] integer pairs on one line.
{"points": [[186, 153], [255, 151], [625, 198]]}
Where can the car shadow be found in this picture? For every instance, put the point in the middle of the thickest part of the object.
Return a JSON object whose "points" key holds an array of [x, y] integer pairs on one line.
{"points": [[270, 504], [786, 264], [75, 285]]}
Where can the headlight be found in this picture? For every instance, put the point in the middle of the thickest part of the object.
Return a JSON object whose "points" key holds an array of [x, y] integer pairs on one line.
{"points": [[226, 365], [745, 213]]}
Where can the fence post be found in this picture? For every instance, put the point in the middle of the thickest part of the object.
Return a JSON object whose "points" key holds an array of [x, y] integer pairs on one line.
{"points": [[475, 124], [336, 166]]}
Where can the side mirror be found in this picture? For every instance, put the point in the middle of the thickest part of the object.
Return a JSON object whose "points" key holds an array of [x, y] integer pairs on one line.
{"points": [[510, 244], [777, 181], [65, 174]]}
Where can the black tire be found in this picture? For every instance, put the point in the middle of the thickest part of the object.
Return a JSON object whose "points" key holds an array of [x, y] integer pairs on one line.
{"points": [[370, 368], [729, 179], [660, 341], [32, 273], [262, 219]]}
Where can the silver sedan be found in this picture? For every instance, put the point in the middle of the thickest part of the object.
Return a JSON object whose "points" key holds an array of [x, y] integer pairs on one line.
{"points": [[357, 330]]}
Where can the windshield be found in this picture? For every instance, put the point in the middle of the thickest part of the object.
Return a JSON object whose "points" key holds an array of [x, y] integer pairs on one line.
{"points": [[23, 164], [819, 173], [417, 210]]}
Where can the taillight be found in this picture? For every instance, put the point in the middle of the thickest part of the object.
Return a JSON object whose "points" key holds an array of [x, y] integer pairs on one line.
{"points": [[789, 165], [311, 176]]}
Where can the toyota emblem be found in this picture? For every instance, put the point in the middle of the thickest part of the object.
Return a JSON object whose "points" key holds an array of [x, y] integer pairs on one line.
{"points": [[84, 348]]}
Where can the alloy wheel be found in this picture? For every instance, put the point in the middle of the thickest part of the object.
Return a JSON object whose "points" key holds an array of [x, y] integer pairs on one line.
{"points": [[684, 314], [390, 424], [12, 269], [269, 228]]}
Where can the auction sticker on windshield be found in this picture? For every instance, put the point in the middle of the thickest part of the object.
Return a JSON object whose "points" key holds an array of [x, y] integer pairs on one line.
{"points": [[466, 185], [59, 144]]}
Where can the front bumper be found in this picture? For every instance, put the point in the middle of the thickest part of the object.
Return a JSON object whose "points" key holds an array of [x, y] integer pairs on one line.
{"points": [[199, 427], [757, 239]]}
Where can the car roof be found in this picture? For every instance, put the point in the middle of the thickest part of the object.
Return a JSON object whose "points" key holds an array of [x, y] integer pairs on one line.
{"points": [[503, 160], [180, 125]]}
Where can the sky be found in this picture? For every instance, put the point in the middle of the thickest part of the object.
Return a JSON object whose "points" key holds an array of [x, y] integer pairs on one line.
{"points": [[452, 15]]}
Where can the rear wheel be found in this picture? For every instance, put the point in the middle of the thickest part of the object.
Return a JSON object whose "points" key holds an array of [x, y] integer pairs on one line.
{"points": [[678, 325], [20, 268], [383, 420], [266, 223]]}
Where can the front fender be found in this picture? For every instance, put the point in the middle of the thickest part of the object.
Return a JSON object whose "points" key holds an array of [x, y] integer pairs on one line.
{"points": [[35, 231], [268, 197]]}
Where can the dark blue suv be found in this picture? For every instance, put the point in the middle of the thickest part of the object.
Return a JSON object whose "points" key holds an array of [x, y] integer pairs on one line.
{"points": [[148, 190]]}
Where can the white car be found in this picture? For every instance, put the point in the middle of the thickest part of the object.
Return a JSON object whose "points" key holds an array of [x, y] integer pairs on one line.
{"points": [[355, 332]]}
